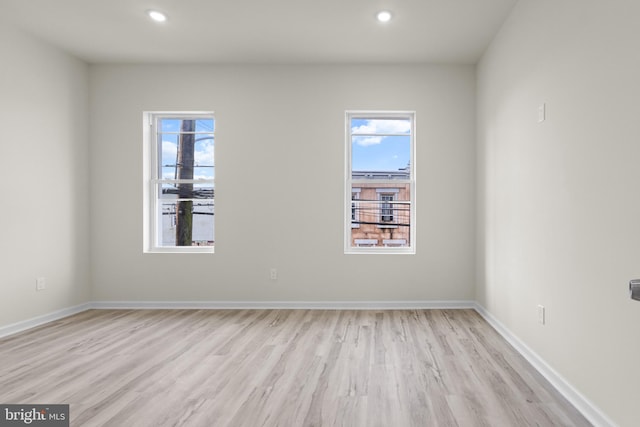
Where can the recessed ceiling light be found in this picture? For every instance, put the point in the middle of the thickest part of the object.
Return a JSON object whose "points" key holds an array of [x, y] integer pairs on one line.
{"points": [[384, 16], [157, 16]]}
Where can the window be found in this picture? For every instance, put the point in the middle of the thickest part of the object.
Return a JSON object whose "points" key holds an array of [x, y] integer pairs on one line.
{"points": [[386, 207], [380, 182], [179, 182], [355, 217]]}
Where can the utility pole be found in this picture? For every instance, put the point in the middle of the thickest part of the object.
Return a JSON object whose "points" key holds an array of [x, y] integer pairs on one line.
{"points": [[184, 211]]}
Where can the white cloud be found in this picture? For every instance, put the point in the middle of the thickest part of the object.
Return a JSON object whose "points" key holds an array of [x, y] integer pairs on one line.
{"points": [[169, 151], [365, 141], [204, 153], [389, 126], [383, 126]]}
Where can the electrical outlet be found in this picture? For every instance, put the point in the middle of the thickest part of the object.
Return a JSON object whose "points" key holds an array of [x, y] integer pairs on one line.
{"points": [[541, 314], [41, 284], [273, 273]]}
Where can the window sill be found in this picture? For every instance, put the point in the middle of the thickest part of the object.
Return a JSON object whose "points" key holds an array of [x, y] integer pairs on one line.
{"points": [[186, 250], [379, 251]]}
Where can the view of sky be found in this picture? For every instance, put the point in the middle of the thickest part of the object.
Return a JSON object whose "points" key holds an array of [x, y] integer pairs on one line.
{"points": [[204, 155], [377, 145], [380, 145]]}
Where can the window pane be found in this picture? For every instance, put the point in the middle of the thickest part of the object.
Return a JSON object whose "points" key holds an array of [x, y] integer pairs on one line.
{"points": [[187, 223], [380, 145], [192, 154], [380, 216]]}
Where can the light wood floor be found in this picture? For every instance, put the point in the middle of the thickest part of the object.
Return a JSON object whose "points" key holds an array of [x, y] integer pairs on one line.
{"points": [[286, 368]]}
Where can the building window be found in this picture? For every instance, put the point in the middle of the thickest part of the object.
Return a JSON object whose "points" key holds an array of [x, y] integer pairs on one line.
{"points": [[386, 207], [355, 216], [380, 182], [179, 182]]}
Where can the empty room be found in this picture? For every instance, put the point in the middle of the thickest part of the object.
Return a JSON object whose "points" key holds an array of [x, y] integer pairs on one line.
{"points": [[320, 213]]}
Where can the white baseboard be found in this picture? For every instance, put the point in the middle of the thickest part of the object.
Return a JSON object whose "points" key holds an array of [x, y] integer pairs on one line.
{"points": [[303, 305], [590, 411], [41, 320]]}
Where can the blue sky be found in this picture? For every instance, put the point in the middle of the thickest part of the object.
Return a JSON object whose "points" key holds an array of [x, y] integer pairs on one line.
{"points": [[372, 150], [377, 145]]}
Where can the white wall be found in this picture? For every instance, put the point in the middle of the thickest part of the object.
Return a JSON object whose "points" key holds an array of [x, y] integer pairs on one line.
{"points": [[559, 203], [279, 183], [44, 178]]}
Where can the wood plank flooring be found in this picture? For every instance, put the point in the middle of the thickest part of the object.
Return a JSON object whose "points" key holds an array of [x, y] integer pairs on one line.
{"points": [[284, 368]]}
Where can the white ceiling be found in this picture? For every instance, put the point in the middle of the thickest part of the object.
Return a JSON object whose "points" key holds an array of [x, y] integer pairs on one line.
{"points": [[263, 31]]}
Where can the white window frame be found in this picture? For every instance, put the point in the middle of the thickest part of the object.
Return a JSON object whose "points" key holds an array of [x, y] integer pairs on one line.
{"points": [[151, 157], [351, 183]]}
